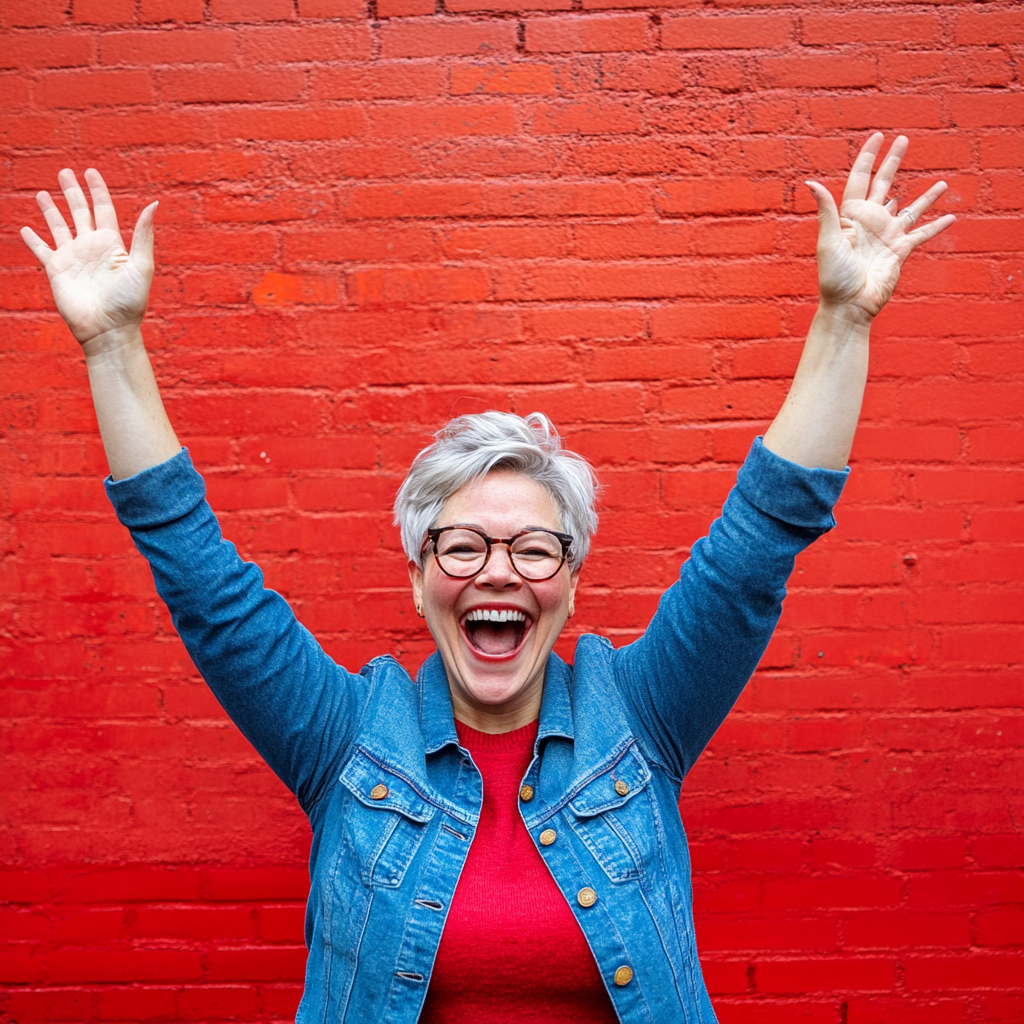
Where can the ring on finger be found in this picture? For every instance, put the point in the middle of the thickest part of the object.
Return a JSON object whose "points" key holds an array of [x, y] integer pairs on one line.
{"points": [[910, 215]]}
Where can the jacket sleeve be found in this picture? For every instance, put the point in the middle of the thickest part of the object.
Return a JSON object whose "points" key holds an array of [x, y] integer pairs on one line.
{"points": [[292, 702], [684, 674]]}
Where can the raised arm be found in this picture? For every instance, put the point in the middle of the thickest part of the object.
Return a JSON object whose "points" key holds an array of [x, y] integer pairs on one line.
{"points": [[101, 289], [294, 703], [711, 628], [861, 247]]}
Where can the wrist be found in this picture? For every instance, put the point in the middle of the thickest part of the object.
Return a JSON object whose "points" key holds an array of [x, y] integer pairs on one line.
{"points": [[845, 314], [113, 342]]}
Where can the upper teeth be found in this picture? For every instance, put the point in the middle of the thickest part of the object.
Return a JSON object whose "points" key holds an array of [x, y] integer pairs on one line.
{"points": [[489, 615]]}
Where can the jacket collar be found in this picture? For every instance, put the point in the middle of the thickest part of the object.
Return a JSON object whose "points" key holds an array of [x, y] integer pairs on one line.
{"points": [[438, 720]]}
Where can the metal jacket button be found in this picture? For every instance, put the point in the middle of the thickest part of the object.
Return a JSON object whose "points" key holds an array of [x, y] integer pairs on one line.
{"points": [[586, 897], [624, 975], [379, 791], [526, 794], [621, 787], [548, 836]]}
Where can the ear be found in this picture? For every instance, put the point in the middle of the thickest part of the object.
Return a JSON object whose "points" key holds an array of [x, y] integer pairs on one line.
{"points": [[416, 579], [574, 580]]}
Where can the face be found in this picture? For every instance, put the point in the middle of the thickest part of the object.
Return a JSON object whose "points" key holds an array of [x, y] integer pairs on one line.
{"points": [[495, 670]]}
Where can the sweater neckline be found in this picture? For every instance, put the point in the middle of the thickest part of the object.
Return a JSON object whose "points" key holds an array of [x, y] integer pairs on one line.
{"points": [[515, 739]]}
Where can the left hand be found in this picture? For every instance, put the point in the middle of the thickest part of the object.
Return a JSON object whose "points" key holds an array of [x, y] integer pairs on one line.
{"points": [[863, 243]]}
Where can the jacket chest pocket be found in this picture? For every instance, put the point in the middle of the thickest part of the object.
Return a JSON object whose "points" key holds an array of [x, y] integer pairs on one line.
{"points": [[386, 820], [613, 817]]}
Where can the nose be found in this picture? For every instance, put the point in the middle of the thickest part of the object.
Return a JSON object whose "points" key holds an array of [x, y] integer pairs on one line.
{"points": [[499, 571]]}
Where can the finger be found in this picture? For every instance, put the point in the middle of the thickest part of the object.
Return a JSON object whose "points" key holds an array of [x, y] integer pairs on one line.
{"points": [[913, 213], [77, 203], [830, 231], [102, 204], [927, 231], [40, 249], [860, 174], [54, 219], [890, 165], [142, 238], [890, 207]]}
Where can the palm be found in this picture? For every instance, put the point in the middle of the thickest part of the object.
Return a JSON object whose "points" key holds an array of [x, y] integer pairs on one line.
{"points": [[863, 244], [98, 285]]}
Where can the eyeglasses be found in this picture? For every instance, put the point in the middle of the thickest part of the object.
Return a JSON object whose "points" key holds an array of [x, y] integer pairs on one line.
{"points": [[462, 552]]}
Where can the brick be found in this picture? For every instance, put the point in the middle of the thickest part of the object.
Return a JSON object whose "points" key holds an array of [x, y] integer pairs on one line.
{"points": [[972, 972], [721, 196], [331, 9], [587, 34], [906, 1010], [864, 27], [464, 6], [990, 28], [104, 12], [725, 31], [901, 112], [819, 72], [229, 86], [433, 38], [33, 13], [596, 118], [178, 47], [383, 81], [303, 43], [854, 973], [186, 11], [82, 89], [441, 120], [48, 50], [404, 8], [251, 10], [510, 79]]}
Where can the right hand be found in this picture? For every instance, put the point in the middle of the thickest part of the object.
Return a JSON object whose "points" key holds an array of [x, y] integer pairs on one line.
{"points": [[100, 288]]}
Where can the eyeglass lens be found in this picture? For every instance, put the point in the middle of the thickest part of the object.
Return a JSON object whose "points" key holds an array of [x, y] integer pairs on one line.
{"points": [[535, 556]]}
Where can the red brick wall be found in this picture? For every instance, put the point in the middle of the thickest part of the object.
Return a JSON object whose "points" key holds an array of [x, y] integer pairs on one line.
{"points": [[372, 219]]}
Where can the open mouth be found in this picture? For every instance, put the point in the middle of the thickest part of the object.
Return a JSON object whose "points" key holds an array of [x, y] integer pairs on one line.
{"points": [[496, 633]]}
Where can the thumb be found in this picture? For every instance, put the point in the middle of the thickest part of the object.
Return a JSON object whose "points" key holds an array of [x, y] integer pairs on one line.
{"points": [[829, 230], [142, 238]]}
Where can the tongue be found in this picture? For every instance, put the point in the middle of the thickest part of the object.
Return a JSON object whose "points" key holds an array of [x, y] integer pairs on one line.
{"points": [[494, 637]]}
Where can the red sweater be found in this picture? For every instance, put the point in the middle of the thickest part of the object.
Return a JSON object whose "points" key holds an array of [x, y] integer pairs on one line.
{"points": [[511, 951]]}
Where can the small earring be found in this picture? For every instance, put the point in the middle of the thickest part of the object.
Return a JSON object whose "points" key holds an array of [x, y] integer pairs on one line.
{"points": [[419, 611]]}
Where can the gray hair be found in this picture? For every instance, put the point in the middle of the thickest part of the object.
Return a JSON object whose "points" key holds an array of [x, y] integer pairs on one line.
{"points": [[469, 447]]}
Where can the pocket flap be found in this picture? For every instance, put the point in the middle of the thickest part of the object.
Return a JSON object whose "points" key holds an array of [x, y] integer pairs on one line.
{"points": [[600, 794], [379, 787]]}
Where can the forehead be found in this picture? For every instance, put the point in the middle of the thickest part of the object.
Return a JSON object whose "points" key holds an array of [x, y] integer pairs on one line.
{"points": [[503, 502]]}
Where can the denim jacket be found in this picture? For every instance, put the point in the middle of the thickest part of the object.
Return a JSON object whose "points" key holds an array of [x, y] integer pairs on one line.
{"points": [[393, 799]]}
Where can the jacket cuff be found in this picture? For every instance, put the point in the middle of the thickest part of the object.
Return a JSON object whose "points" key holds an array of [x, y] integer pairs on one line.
{"points": [[788, 492], [158, 495]]}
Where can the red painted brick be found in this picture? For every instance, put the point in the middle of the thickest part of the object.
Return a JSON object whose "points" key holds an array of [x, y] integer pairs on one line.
{"points": [[302, 43], [83, 89], [104, 12], [990, 27], [33, 13], [857, 974], [386, 81], [171, 10], [976, 971], [251, 10], [869, 27], [176, 47], [48, 50], [433, 38], [596, 33], [721, 196], [725, 31]]}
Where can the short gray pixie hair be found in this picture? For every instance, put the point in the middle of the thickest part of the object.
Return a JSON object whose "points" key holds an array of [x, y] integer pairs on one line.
{"points": [[469, 447]]}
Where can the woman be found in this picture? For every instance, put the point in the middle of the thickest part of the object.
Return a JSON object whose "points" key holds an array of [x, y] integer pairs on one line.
{"points": [[499, 840]]}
